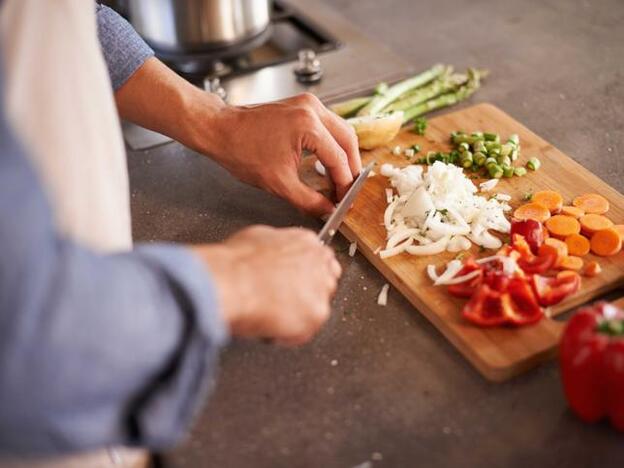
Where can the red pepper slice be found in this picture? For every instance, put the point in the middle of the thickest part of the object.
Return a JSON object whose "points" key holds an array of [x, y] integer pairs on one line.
{"points": [[467, 288], [525, 308], [552, 290], [515, 305], [485, 308], [538, 264], [591, 359], [531, 230]]}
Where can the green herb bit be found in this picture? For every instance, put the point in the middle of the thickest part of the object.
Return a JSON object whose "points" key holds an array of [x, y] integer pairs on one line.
{"points": [[420, 125], [416, 148], [443, 212], [528, 196], [460, 256], [533, 164]]}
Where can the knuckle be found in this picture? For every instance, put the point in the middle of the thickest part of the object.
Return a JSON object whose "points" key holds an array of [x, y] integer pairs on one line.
{"points": [[308, 99]]}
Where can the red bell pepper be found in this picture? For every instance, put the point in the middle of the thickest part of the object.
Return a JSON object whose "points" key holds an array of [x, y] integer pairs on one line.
{"points": [[529, 262], [467, 288], [531, 230], [591, 359], [552, 290]]}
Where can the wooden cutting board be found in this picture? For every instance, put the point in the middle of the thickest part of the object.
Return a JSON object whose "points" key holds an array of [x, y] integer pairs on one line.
{"points": [[498, 353]]}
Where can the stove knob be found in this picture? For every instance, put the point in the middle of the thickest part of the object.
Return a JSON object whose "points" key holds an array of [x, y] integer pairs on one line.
{"points": [[308, 69], [213, 85]]}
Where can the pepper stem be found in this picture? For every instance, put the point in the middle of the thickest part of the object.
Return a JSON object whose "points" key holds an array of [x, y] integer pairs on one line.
{"points": [[611, 327]]}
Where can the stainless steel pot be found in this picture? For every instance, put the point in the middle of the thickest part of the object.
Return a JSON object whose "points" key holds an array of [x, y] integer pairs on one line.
{"points": [[198, 25]]}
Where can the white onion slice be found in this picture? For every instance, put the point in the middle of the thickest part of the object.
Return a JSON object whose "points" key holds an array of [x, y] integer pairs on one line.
{"points": [[318, 166], [389, 195], [452, 268], [391, 252], [488, 185], [461, 279], [436, 247], [399, 236], [431, 271], [352, 249], [382, 299]]}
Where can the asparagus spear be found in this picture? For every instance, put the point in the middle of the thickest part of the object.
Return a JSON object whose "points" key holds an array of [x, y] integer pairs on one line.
{"points": [[348, 108], [448, 99], [379, 102], [435, 88]]}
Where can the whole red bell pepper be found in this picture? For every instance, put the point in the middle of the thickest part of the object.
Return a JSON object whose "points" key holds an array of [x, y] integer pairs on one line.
{"points": [[591, 359]]}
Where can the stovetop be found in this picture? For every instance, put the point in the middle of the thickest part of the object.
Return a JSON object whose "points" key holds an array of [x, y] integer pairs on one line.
{"points": [[289, 32], [351, 63]]}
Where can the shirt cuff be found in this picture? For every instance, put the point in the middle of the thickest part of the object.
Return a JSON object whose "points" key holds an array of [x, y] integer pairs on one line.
{"points": [[167, 413], [124, 50]]}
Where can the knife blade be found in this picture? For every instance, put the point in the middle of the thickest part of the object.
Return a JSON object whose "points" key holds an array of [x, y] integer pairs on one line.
{"points": [[332, 224]]}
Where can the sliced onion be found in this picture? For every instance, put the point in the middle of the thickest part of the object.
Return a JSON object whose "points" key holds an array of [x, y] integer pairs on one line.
{"points": [[436, 247], [352, 249], [488, 185], [399, 236], [461, 279], [389, 195], [391, 252], [431, 271], [388, 214], [452, 268], [499, 258], [458, 243], [382, 299], [318, 166]]}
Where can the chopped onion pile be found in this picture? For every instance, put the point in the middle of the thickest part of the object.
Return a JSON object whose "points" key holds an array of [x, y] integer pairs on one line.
{"points": [[439, 211]]}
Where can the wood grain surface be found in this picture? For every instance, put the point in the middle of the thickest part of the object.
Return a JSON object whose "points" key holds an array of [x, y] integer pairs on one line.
{"points": [[498, 353]]}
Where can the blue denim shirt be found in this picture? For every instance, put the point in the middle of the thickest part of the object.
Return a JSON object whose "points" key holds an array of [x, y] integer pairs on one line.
{"points": [[95, 349]]}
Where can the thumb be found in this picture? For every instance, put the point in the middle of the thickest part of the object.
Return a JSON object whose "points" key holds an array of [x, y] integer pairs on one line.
{"points": [[308, 200]]}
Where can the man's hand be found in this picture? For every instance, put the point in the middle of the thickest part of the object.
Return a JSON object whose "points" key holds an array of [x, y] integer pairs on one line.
{"points": [[273, 283], [262, 145]]}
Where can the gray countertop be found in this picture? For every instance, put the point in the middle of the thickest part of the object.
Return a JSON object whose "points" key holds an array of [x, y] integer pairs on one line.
{"points": [[382, 384]]}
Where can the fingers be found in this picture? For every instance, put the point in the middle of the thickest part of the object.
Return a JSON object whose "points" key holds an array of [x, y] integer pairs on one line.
{"points": [[307, 199], [345, 135], [333, 157]]}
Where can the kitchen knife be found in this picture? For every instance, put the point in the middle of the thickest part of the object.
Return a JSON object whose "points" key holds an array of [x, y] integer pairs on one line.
{"points": [[332, 224]]}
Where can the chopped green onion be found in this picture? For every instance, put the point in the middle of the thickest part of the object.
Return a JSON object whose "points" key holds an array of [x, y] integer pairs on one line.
{"points": [[520, 171], [420, 125], [533, 164]]}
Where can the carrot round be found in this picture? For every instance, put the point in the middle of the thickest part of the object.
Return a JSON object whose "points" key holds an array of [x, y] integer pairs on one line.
{"points": [[550, 199], [562, 226], [559, 247], [591, 223], [620, 228], [572, 211], [606, 242], [593, 268], [592, 203], [571, 262], [577, 245], [535, 211]]}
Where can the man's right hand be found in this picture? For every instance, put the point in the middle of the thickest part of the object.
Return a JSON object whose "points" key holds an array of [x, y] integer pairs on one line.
{"points": [[273, 283]]}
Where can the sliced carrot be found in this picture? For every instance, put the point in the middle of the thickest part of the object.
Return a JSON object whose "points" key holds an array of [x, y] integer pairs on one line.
{"points": [[562, 226], [593, 268], [620, 228], [550, 199], [606, 242], [564, 273], [571, 262], [592, 203], [572, 211], [577, 244], [560, 248], [591, 223], [535, 211]]}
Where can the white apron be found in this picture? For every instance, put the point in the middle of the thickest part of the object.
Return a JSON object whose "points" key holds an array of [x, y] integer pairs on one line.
{"points": [[60, 104]]}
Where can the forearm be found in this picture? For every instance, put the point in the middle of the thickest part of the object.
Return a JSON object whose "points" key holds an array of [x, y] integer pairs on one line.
{"points": [[157, 98]]}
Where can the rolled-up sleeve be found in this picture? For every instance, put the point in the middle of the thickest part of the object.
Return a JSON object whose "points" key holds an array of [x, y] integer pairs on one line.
{"points": [[95, 349], [124, 50]]}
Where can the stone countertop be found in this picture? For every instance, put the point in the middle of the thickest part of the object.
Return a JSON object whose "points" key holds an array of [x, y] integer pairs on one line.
{"points": [[381, 384]]}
